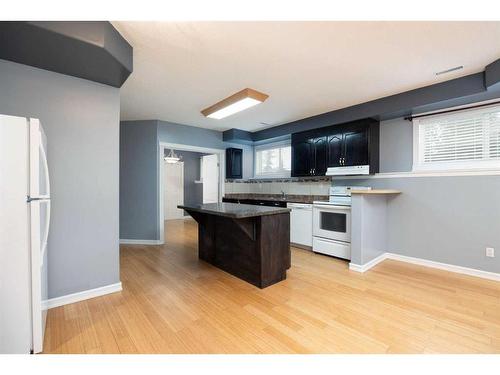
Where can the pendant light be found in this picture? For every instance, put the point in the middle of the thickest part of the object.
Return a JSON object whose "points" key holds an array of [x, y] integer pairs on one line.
{"points": [[172, 157]]}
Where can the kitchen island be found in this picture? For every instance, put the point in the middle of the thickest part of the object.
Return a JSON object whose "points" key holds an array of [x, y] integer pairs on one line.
{"points": [[249, 242]]}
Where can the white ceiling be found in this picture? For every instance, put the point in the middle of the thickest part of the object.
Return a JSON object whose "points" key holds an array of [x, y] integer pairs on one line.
{"points": [[306, 68]]}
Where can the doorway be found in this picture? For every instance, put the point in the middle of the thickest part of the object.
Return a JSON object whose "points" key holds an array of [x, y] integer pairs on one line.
{"points": [[173, 191], [210, 182], [210, 178]]}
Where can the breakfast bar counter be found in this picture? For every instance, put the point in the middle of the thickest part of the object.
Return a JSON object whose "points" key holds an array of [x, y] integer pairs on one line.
{"points": [[249, 242]]}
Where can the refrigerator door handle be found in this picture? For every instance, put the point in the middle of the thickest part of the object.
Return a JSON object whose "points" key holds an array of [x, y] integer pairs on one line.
{"points": [[46, 232], [40, 198], [45, 167]]}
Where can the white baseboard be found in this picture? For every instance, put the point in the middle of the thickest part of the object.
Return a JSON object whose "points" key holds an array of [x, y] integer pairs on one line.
{"points": [[372, 263], [140, 242], [427, 263], [445, 266], [81, 296]]}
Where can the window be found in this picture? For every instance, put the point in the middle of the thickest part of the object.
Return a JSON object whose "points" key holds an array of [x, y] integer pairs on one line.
{"points": [[273, 160], [468, 139]]}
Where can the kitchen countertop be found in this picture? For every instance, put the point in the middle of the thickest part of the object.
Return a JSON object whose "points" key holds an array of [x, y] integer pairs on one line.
{"points": [[376, 191], [234, 210], [278, 197]]}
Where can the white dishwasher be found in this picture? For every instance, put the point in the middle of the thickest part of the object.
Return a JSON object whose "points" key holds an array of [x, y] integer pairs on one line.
{"points": [[301, 222]]}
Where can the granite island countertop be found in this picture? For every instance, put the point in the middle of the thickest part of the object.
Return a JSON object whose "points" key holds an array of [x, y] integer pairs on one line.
{"points": [[234, 210]]}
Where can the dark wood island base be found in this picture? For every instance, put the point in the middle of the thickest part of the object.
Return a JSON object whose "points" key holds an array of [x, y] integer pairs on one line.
{"points": [[249, 242]]}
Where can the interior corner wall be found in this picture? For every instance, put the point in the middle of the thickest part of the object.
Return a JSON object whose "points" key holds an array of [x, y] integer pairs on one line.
{"points": [[139, 158], [140, 170], [447, 219], [81, 121]]}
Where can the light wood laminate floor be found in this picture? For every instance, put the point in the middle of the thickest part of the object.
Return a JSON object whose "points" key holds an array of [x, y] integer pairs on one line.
{"points": [[173, 303]]}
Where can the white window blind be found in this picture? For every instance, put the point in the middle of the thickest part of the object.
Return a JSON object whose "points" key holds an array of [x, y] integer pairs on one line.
{"points": [[273, 160], [467, 139]]}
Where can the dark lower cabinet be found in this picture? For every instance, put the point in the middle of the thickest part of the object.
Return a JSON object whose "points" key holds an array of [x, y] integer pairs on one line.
{"points": [[234, 163], [350, 144]]}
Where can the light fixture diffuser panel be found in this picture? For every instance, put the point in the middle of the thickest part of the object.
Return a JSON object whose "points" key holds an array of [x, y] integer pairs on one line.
{"points": [[240, 101], [233, 108]]}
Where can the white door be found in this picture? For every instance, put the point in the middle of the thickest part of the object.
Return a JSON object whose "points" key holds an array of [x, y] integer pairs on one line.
{"points": [[39, 194], [210, 176], [173, 190]]}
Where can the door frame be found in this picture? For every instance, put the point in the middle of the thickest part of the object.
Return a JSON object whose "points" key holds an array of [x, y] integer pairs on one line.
{"points": [[181, 147]]}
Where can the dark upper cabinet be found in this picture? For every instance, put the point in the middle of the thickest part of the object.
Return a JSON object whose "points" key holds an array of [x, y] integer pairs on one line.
{"points": [[334, 150], [319, 156], [234, 163], [350, 144], [308, 156], [356, 148], [302, 156]]}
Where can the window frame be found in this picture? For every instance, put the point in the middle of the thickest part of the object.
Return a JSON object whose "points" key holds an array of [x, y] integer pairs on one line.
{"points": [[270, 146], [467, 165]]}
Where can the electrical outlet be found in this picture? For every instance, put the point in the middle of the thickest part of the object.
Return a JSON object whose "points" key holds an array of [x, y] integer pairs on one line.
{"points": [[490, 252]]}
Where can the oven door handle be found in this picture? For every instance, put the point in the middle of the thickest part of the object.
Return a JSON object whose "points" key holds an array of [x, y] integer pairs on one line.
{"points": [[332, 208]]}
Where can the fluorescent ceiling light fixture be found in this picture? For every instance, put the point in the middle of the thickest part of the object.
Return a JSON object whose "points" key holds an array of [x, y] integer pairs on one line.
{"points": [[233, 108], [243, 99]]}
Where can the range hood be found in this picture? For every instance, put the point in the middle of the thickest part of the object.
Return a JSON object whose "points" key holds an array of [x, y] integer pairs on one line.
{"points": [[348, 171]]}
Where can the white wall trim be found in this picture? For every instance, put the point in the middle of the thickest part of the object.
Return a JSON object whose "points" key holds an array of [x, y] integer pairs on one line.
{"points": [[427, 263], [181, 147], [140, 242], [365, 267], [81, 296], [445, 266], [478, 172]]}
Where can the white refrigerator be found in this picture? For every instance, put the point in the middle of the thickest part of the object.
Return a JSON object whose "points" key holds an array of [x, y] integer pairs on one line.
{"points": [[24, 229]]}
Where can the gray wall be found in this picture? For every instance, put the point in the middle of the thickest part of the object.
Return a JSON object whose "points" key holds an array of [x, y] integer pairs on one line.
{"points": [[138, 180], [368, 227], [81, 120], [170, 132], [396, 146], [140, 173], [193, 192], [445, 219]]}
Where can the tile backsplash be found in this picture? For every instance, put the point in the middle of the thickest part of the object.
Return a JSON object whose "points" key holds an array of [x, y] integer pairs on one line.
{"points": [[311, 187]]}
